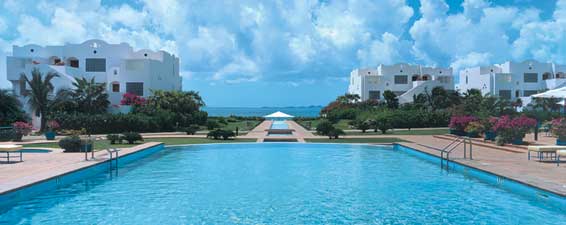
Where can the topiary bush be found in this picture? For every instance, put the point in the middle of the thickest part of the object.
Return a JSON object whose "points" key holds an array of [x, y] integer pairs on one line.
{"points": [[132, 137], [218, 133], [192, 129], [71, 144]]}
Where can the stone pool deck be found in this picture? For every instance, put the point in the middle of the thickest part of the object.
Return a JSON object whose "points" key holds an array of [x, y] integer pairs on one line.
{"points": [[260, 132], [38, 167]]}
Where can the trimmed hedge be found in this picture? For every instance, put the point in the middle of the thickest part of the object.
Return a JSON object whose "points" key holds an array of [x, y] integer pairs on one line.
{"points": [[117, 123]]}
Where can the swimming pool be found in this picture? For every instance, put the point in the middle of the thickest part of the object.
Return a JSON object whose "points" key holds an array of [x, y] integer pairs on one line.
{"points": [[279, 124], [281, 183], [27, 150]]}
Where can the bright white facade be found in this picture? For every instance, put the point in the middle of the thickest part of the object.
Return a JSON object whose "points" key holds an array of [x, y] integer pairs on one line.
{"points": [[118, 65], [512, 80], [403, 79]]}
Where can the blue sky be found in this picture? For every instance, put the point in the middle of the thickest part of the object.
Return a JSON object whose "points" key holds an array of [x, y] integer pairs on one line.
{"points": [[287, 53]]}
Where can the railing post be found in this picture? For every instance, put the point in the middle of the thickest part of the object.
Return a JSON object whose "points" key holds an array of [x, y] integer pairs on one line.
{"points": [[464, 140], [471, 150]]}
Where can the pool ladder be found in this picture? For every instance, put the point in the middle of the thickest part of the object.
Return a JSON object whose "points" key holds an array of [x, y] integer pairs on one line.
{"points": [[113, 152], [445, 152]]}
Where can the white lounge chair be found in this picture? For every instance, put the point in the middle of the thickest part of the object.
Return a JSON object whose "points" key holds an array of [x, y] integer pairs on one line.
{"points": [[559, 154], [548, 149], [11, 149]]}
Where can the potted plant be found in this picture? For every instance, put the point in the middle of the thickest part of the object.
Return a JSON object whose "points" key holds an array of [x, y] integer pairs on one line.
{"points": [[514, 130], [559, 129], [52, 127], [21, 129], [473, 129]]}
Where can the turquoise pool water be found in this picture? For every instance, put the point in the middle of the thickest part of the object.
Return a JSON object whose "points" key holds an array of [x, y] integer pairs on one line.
{"points": [[35, 151], [281, 184], [279, 124]]}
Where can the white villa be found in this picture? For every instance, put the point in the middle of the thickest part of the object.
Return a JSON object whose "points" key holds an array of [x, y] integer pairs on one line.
{"points": [[403, 79], [512, 80], [123, 69]]}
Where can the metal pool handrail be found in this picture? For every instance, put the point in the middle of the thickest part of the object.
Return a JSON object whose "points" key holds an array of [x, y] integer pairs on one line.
{"points": [[445, 152]]}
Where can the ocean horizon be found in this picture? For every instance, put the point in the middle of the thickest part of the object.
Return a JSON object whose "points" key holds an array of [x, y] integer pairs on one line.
{"points": [[297, 111]]}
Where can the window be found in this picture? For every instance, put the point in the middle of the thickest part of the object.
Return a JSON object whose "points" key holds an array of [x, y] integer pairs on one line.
{"points": [[527, 93], [74, 63], [546, 76], [505, 94], [517, 93], [116, 87], [95, 65], [23, 91], [530, 77], [401, 79], [135, 88], [466, 79], [115, 72], [374, 95]]}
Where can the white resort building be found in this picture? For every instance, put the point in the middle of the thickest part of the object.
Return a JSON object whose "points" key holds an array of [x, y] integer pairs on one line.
{"points": [[512, 80], [123, 69], [402, 79]]}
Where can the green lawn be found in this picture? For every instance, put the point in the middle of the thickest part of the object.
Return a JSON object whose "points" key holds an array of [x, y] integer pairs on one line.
{"points": [[403, 132], [102, 144], [342, 124], [241, 125], [356, 140]]}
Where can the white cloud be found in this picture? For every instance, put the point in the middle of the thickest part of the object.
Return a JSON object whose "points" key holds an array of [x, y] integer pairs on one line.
{"points": [[241, 69], [388, 50], [471, 60], [302, 47]]}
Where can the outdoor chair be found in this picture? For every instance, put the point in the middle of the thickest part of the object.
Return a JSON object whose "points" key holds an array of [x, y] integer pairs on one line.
{"points": [[11, 149]]}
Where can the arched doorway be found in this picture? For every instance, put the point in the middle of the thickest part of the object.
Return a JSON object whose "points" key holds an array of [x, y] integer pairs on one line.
{"points": [[73, 62]]}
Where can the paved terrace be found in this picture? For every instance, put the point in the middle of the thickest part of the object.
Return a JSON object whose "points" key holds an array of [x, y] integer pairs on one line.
{"points": [[260, 132], [37, 167]]}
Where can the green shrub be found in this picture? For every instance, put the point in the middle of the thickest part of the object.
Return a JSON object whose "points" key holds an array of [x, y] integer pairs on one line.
{"points": [[192, 129], [71, 144], [113, 138], [7, 134], [132, 137], [335, 133], [212, 124], [218, 133], [324, 127]]}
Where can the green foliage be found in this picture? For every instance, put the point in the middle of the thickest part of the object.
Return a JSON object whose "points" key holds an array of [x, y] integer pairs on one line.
{"points": [[114, 138], [335, 133], [10, 109], [384, 121], [192, 129], [212, 124], [87, 96], [360, 124], [391, 99], [324, 127], [184, 106], [40, 94], [7, 134], [71, 144], [116, 123], [218, 133], [132, 137]]}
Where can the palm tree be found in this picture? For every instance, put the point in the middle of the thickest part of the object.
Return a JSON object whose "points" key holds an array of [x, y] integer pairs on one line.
{"points": [[10, 109], [90, 96], [40, 94]]}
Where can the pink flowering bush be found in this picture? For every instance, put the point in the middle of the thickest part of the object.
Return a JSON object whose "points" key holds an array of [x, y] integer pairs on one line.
{"points": [[22, 128], [461, 122], [132, 99], [510, 129], [559, 128], [53, 125]]}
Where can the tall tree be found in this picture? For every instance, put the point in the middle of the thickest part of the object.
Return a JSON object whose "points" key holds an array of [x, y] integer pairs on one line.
{"points": [[10, 109], [40, 94], [391, 99]]}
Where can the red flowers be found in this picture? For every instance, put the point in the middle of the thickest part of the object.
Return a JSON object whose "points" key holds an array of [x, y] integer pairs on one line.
{"points": [[22, 128], [461, 122], [132, 99], [53, 125], [559, 127]]}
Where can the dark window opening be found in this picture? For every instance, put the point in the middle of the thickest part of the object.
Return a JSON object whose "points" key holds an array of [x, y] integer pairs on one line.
{"points": [[374, 95], [115, 87], [74, 63], [135, 88], [505, 94], [401, 79], [530, 77], [95, 65]]}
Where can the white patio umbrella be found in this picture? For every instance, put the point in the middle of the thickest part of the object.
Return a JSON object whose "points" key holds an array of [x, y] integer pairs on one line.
{"points": [[278, 115], [556, 93]]}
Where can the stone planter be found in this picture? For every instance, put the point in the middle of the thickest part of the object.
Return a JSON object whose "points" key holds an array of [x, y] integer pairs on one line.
{"points": [[50, 135], [489, 136], [517, 141], [561, 141]]}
